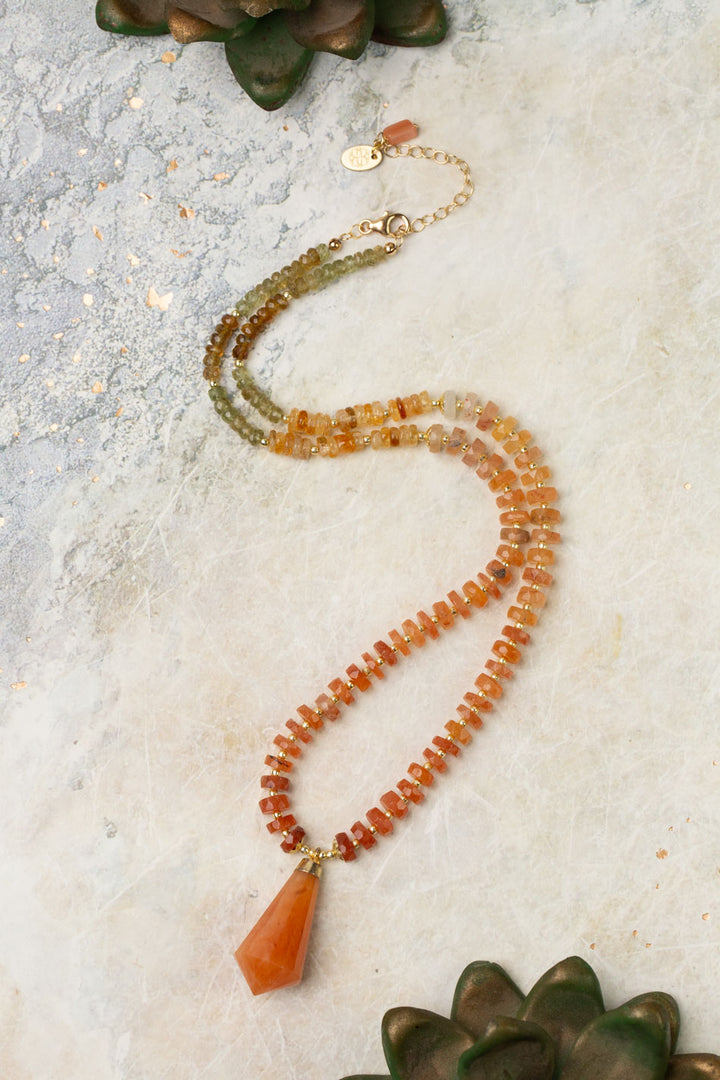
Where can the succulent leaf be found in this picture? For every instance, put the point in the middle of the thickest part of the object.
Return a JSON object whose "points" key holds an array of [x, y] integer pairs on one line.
{"points": [[483, 992], [337, 26], [420, 1045], [185, 27], [660, 1007], [510, 1050], [694, 1067], [268, 63], [564, 1001], [258, 8], [619, 1046], [128, 18], [409, 22]]}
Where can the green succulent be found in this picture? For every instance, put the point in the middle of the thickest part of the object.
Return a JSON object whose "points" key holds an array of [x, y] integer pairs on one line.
{"points": [[559, 1031], [269, 43]]}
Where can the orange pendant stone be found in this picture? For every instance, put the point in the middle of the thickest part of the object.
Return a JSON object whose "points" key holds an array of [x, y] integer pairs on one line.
{"points": [[273, 953]]}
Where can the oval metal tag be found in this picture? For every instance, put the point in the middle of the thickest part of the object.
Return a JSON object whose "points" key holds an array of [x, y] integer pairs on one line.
{"points": [[361, 158]]}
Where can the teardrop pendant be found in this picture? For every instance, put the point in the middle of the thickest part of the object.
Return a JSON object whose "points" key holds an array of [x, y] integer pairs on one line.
{"points": [[273, 953]]}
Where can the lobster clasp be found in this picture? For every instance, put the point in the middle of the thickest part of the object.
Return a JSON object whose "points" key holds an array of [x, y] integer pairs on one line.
{"points": [[390, 224]]}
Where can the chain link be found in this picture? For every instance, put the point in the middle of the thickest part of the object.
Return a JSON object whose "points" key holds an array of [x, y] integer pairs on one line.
{"points": [[440, 157], [415, 225]]}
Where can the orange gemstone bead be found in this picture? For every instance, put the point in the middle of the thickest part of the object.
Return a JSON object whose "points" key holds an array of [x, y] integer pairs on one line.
{"points": [[486, 419], [528, 595], [411, 792], [446, 745], [542, 495], [444, 614], [475, 701], [359, 678], [281, 764], [311, 717], [518, 614], [281, 824], [476, 595], [380, 821], [514, 633], [536, 576], [298, 731], [293, 838], [394, 804], [413, 631], [400, 644], [513, 498], [496, 667], [339, 689], [507, 651], [469, 717], [275, 783], [459, 732], [345, 846], [385, 653], [545, 515], [488, 686], [511, 555], [458, 604], [273, 804], [371, 663], [286, 745], [504, 480], [435, 760], [327, 706], [421, 773], [363, 835], [427, 625], [499, 573]]}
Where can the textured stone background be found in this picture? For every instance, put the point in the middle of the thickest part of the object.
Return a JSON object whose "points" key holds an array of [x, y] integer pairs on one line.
{"points": [[168, 595]]}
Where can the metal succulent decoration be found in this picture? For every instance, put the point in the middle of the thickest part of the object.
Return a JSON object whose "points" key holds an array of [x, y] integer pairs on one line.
{"points": [[269, 43], [559, 1031]]}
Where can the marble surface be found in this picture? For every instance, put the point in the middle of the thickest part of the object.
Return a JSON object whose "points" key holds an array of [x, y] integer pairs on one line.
{"points": [[168, 595]]}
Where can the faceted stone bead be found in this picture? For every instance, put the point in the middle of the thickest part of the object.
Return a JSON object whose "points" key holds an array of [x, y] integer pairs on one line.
{"points": [[492, 463], [378, 413], [449, 400], [476, 701], [435, 760], [401, 408], [504, 428], [469, 405], [458, 604], [545, 516], [507, 651], [289, 747], [293, 838], [399, 642], [327, 706], [375, 668], [517, 442], [488, 686], [385, 653], [358, 677], [526, 456], [345, 846], [499, 573], [385, 437], [474, 454], [394, 410], [380, 821], [281, 824], [444, 614], [400, 132], [510, 498], [282, 764], [518, 614], [427, 625], [459, 732], [515, 536], [394, 436], [504, 480], [340, 690], [275, 783], [542, 495], [273, 953], [475, 594], [413, 631], [528, 595], [410, 791], [488, 584], [514, 633], [537, 577], [486, 418], [456, 441], [542, 473], [446, 745], [426, 404], [298, 731], [363, 835], [421, 773], [434, 437], [311, 717], [545, 536], [394, 803], [496, 667], [469, 717], [511, 555], [274, 803]]}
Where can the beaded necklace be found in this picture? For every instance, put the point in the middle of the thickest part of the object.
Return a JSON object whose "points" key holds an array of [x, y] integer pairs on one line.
{"points": [[273, 953]]}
